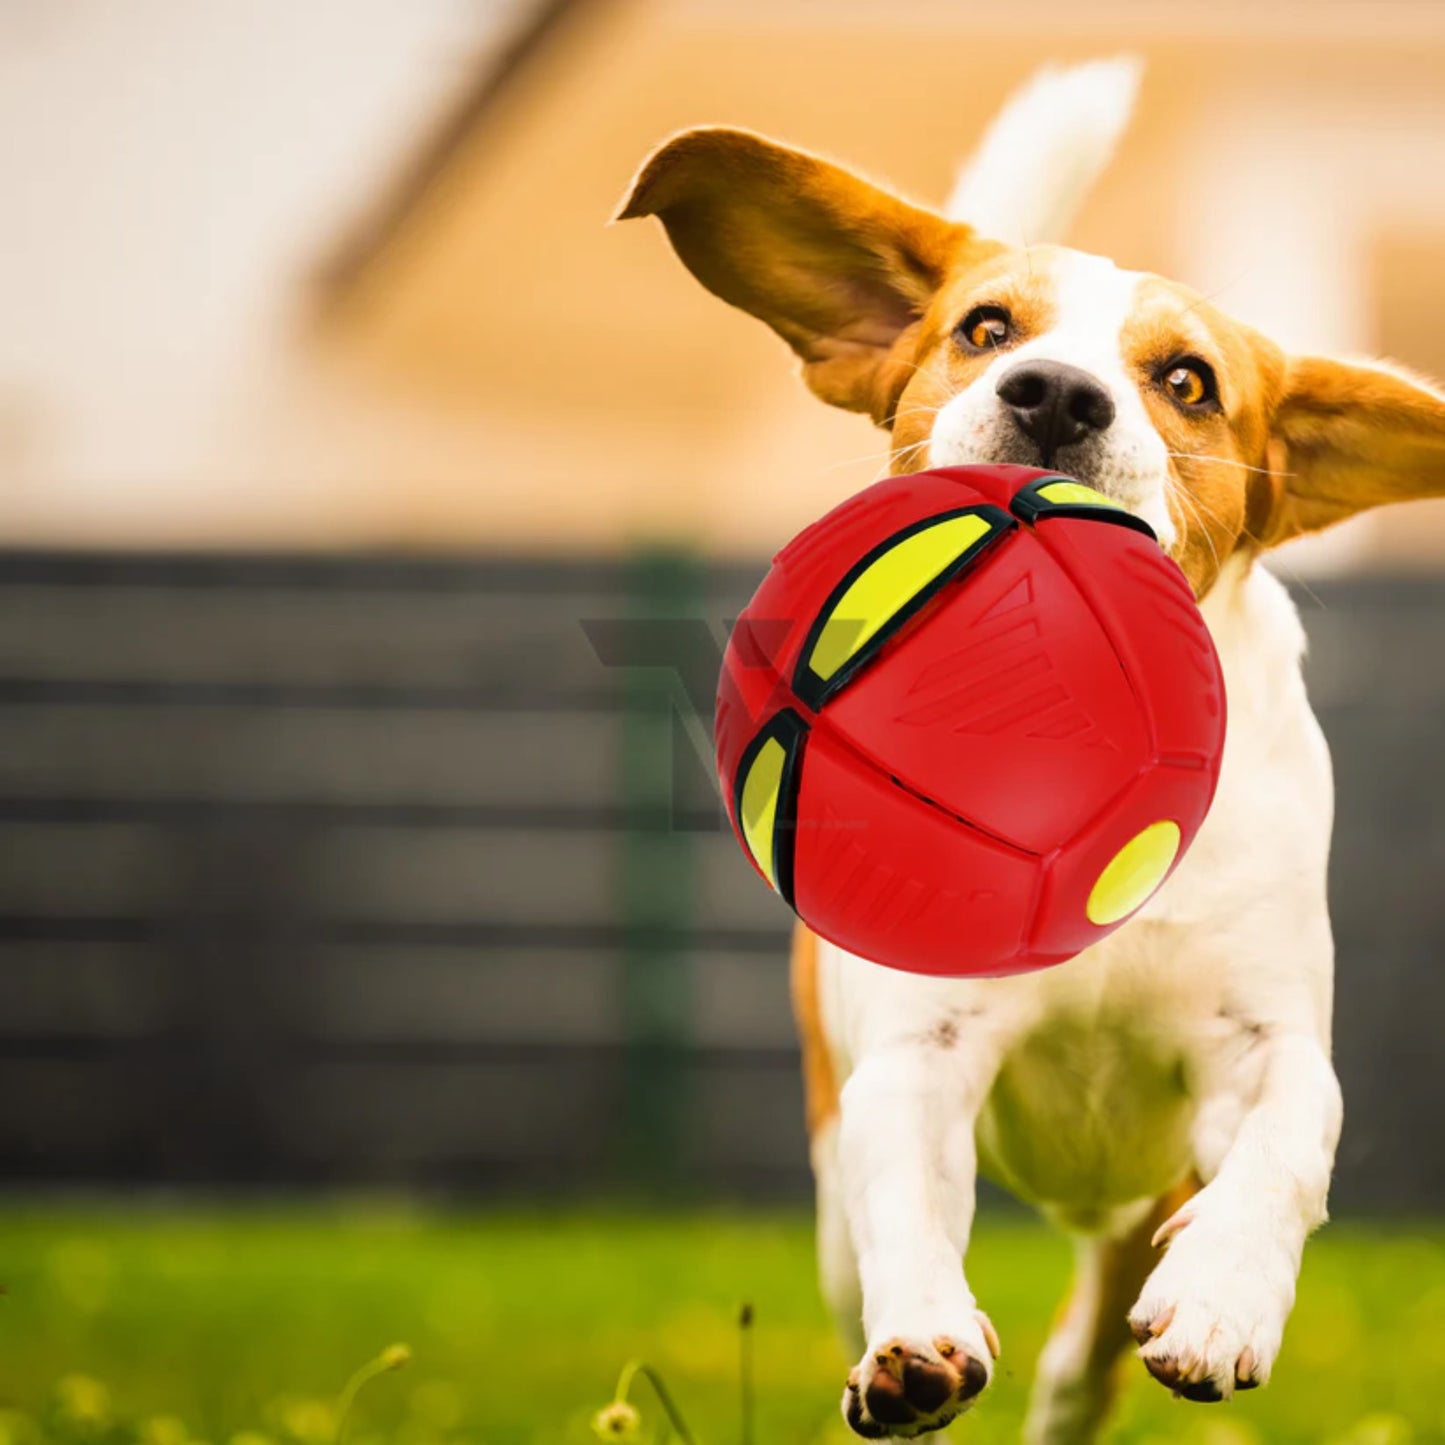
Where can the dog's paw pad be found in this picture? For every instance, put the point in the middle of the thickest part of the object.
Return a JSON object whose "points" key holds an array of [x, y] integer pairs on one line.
{"points": [[904, 1389], [858, 1421], [1171, 1374]]}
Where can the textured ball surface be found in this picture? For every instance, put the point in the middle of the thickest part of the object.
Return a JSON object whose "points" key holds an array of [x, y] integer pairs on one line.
{"points": [[970, 721]]}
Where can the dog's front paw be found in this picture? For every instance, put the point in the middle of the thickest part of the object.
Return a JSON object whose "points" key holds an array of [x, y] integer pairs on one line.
{"points": [[1212, 1315], [905, 1387]]}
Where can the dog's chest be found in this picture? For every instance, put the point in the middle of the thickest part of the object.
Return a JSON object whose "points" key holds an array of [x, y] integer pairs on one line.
{"points": [[1095, 1100]]}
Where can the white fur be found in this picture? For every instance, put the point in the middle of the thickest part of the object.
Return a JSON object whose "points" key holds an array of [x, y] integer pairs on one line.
{"points": [[1092, 299], [1046, 148]]}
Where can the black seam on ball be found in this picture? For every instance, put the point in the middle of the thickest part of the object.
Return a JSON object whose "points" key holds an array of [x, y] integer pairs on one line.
{"points": [[791, 732], [1030, 507]]}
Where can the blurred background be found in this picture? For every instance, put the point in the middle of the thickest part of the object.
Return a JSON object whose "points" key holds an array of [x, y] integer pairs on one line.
{"points": [[356, 866]]}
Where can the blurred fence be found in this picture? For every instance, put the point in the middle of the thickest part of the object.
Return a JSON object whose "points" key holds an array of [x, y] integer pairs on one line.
{"points": [[377, 870]]}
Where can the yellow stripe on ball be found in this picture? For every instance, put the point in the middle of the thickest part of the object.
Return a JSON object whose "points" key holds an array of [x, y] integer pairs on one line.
{"points": [[759, 804], [1133, 873], [1076, 494], [888, 585]]}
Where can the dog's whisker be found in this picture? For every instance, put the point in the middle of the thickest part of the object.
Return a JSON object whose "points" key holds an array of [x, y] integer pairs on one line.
{"points": [[886, 456], [891, 456], [1216, 293], [1226, 461], [913, 446], [895, 457], [1280, 560], [921, 409], [1192, 503], [911, 365], [851, 461], [1198, 504]]}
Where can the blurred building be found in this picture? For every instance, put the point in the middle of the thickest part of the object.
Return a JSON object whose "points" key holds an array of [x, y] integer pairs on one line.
{"points": [[351, 288], [334, 846]]}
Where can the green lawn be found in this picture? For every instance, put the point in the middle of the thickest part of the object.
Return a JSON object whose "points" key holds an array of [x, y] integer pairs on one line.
{"points": [[212, 1325]]}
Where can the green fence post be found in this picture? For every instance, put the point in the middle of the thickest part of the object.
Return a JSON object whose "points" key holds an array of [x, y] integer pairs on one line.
{"points": [[656, 877]]}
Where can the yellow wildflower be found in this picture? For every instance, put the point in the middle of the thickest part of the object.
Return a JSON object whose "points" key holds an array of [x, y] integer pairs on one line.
{"points": [[16, 1428], [311, 1421], [82, 1401], [163, 1430], [617, 1421]]}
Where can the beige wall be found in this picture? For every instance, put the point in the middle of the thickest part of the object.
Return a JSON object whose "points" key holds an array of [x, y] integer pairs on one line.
{"points": [[508, 370]]}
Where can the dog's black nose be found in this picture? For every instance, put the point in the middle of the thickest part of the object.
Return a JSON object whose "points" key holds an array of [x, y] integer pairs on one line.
{"points": [[1055, 404]]}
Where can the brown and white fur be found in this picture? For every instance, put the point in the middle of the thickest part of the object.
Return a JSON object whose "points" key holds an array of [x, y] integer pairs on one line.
{"points": [[1171, 1086]]}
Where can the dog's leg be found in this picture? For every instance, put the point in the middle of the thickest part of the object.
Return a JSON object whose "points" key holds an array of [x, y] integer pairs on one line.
{"points": [[837, 1263], [906, 1166], [1212, 1314], [1078, 1372]]}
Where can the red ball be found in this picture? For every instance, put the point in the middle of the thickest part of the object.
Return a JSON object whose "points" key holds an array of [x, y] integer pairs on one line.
{"points": [[970, 721]]}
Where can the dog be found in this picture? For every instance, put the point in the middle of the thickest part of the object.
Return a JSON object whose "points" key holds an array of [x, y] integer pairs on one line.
{"points": [[1170, 1089]]}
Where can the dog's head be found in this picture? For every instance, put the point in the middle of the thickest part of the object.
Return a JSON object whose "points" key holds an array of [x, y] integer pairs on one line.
{"points": [[967, 351]]}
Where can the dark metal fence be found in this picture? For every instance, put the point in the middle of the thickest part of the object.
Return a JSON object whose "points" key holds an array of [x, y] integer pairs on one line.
{"points": [[349, 869]]}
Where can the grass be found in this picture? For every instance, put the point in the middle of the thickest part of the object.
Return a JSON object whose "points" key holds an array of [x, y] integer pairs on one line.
{"points": [[152, 1327]]}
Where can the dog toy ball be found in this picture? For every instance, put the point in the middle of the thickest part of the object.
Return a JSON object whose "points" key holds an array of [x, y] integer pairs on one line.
{"points": [[970, 721]]}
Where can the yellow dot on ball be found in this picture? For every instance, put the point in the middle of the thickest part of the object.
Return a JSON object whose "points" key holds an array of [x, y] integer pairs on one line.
{"points": [[1133, 873]]}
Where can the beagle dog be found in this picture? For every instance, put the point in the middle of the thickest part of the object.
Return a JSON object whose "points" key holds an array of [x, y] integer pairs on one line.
{"points": [[1167, 1096]]}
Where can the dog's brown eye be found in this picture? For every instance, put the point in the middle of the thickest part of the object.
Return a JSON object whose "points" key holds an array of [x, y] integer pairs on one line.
{"points": [[1190, 382], [985, 328]]}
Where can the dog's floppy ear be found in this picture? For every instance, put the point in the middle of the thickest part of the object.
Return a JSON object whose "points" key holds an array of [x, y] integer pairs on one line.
{"points": [[1346, 436], [837, 267]]}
